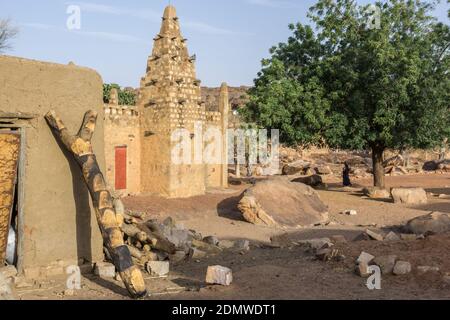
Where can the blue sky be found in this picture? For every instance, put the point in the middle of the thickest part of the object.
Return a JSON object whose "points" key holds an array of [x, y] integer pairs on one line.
{"points": [[230, 37]]}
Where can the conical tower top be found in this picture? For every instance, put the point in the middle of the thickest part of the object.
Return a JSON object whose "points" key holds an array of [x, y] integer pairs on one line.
{"points": [[170, 12], [170, 26]]}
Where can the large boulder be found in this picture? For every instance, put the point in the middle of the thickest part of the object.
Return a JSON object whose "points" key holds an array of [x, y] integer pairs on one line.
{"points": [[376, 193], [278, 202], [313, 181], [323, 170], [296, 167], [435, 223], [409, 195]]}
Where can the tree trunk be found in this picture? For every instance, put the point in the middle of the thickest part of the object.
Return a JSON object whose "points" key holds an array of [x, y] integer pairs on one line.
{"points": [[108, 220], [378, 169]]}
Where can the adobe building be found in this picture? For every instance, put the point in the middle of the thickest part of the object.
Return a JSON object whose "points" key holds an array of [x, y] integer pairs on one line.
{"points": [[139, 141], [43, 196]]}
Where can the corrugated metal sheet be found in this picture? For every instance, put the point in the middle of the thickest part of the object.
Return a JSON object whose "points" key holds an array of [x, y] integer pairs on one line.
{"points": [[9, 158]]}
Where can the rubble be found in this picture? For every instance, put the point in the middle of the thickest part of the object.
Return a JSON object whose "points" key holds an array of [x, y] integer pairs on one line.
{"points": [[426, 269], [391, 236], [338, 239], [317, 244], [8, 271], [365, 257], [219, 275], [158, 268], [374, 235], [402, 268], [386, 263], [105, 270], [6, 292], [281, 240], [362, 270], [350, 212]]}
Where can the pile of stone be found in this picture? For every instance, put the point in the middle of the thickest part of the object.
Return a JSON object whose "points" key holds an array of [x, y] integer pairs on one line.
{"points": [[389, 264], [154, 244]]}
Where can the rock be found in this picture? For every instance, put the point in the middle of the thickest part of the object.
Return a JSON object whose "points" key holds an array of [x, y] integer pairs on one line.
{"points": [[362, 237], [317, 244], [362, 270], [328, 254], [242, 245], [392, 236], [196, 254], [281, 240], [386, 263], [105, 270], [158, 268], [446, 278], [376, 193], [323, 170], [8, 271], [431, 166], [296, 167], [374, 235], [206, 247], [278, 202], [338, 239], [226, 244], [69, 293], [6, 292], [21, 283], [178, 257], [365, 257], [409, 195], [180, 237], [311, 180], [350, 212], [402, 268], [434, 223], [212, 240], [426, 269], [408, 237], [219, 275]]}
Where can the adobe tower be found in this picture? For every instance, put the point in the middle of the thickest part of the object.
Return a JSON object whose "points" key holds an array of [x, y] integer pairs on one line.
{"points": [[170, 98]]}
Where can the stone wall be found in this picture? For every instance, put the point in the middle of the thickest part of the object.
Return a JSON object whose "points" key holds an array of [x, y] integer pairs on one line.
{"points": [[122, 130], [57, 225]]}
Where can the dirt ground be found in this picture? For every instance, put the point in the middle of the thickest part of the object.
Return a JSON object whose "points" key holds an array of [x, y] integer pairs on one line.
{"points": [[288, 273]]}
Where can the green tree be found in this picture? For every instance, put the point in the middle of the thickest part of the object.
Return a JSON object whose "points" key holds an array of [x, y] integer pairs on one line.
{"points": [[126, 97], [356, 84]]}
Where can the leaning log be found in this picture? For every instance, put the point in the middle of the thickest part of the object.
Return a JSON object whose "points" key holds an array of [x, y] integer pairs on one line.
{"points": [[81, 148]]}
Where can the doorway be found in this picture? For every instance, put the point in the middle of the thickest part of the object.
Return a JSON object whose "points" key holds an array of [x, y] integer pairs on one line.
{"points": [[121, 168]]}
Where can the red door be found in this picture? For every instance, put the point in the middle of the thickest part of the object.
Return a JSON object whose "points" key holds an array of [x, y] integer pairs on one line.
{"points": [[121, 168]]}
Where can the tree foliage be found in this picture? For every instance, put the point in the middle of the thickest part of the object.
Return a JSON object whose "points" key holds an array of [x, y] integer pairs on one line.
{"points": [[355, 86], [126, 97], [7, 32]]}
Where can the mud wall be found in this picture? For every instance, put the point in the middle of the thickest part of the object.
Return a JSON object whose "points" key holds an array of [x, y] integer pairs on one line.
{"points": [[59, 227]]}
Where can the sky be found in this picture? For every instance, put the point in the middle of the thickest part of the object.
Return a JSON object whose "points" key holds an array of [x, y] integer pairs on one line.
{"points": [[229, 37]]}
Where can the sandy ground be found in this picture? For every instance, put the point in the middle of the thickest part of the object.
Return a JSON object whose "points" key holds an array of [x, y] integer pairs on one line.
{"points": [[289, 273]]}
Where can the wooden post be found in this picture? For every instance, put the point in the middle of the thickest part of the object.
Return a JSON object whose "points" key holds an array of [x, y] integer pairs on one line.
{"points": [[109, 222]]}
